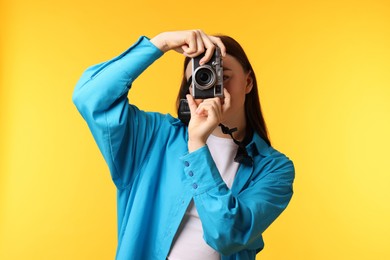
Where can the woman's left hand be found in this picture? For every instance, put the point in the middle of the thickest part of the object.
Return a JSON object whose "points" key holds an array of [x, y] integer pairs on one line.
{"points": [[206, 115]]}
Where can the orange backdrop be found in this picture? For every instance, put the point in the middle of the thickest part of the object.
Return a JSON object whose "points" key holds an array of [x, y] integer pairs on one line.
{"points": [[323, 68]]}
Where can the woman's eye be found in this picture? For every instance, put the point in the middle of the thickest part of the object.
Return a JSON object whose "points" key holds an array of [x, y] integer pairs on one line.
{"points": [[225, 77]]}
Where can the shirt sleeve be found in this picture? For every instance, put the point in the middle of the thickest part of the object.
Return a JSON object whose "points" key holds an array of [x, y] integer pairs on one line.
{"points": [[118, 128], [232, 223]]}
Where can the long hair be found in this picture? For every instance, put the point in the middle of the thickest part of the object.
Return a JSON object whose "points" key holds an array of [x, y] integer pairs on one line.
{"points": [[254, 116]]}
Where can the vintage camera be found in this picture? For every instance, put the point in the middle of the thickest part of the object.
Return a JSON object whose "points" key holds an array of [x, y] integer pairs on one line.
{"points": [[207, 79], [207, 82]]}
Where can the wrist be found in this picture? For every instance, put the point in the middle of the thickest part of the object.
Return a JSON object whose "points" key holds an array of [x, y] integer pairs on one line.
{"points": [[160, 42], [194, 145]]}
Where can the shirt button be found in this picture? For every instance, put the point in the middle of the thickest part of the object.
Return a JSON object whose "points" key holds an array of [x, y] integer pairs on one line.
{"points": [[186, 164], [195, 186], [190, 173]]}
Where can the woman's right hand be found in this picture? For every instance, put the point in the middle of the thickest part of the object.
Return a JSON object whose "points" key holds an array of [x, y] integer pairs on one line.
{"points": [[206, 115], [190, 43]]}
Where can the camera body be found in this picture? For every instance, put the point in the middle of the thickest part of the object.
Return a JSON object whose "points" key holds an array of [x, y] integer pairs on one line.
{"points": [[207, 79]]}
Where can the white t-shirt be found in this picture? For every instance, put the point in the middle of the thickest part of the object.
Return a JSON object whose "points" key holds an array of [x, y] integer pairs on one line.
{"points": [[189, 243]]}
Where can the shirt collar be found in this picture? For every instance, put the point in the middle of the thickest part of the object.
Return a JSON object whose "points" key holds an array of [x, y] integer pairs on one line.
{"points": [[257, 146]]}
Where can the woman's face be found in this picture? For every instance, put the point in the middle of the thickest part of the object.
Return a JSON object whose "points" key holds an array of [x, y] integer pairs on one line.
{"points": [[236, 81]]}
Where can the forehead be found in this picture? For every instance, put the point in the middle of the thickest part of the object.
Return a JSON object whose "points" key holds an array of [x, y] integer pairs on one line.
{"points": [[229, 63]]}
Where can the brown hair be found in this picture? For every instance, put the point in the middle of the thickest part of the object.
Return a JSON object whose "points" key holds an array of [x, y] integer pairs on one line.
{"points": [[254, 116]]}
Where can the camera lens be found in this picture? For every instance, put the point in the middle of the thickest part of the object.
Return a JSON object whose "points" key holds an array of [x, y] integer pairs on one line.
{"points": [[204, 77]]}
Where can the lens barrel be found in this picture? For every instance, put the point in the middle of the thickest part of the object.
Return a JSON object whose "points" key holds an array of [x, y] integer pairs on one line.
{"points": [[204, 77]]}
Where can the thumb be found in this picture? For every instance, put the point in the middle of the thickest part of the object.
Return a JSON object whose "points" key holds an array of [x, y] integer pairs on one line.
{"points": [[192, 104]]}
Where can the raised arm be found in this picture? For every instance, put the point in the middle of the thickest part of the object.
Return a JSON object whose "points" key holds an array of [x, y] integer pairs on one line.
{"points": [[121, 131], [101, 98]]}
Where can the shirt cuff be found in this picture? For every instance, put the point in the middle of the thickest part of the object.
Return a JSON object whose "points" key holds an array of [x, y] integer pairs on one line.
{"points": [[201, 173]]}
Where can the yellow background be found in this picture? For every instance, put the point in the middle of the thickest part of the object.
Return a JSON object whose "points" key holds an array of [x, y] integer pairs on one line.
{"points": [[323, 69]]}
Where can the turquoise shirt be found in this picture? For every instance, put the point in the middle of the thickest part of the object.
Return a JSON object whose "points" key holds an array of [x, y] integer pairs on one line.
{"points": [[156, 177]]}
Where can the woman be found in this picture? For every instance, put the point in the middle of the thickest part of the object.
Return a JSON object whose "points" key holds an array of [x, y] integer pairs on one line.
{"points": [[202, 191]]}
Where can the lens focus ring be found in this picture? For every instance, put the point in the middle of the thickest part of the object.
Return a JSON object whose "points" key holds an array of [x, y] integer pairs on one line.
{"points": [[204, 77]]}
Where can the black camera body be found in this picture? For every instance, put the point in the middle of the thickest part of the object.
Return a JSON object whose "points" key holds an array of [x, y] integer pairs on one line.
{"points": [[207, 79]]}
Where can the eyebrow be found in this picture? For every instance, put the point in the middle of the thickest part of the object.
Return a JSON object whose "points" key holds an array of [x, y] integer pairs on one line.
{"points": [[224, 68]]}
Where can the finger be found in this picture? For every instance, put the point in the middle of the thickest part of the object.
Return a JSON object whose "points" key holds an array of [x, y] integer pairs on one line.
{"points": [[212, 107], [210, 47], [191, 41], [200, 44], [202, 110], [191, 103], [226, 101], [208, 54], [207, 110], [217, 41], [213, 101], [199, 47]]}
